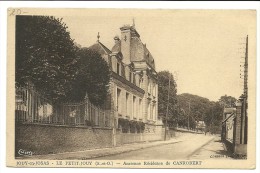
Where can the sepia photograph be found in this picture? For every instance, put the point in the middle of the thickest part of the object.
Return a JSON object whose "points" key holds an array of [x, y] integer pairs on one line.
{"points": [[131, 88]]}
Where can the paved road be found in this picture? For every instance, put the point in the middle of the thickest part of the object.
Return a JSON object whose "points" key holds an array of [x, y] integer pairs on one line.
{"points": [[181, 150], [213, 150]]}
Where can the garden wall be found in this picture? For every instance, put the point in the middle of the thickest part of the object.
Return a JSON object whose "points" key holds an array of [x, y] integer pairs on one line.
{"points": [[47, 139]]}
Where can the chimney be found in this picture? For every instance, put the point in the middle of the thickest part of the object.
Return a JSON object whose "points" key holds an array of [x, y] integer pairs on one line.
{"points": [[125, 43], [116, 38]]}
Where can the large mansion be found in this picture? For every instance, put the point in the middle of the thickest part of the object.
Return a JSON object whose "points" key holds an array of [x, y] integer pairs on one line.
{"points": [[133, 97]]}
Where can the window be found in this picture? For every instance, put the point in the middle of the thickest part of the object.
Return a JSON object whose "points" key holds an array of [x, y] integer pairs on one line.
{"points": [[153, 115], [118, 68], [154, 90], [140, 109], [148, 85], [122, 71], [140, 82], [118, 105], [134, 78], [130, 76], [134, 106], [149, 109], [127, 104]]}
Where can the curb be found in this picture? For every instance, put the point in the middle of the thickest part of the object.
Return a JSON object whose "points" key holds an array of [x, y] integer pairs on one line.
{"points": [[97, 155], [196, 150], [127, 151]]}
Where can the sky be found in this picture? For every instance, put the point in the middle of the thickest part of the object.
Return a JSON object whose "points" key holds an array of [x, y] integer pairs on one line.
{"points": [[204, 49]]}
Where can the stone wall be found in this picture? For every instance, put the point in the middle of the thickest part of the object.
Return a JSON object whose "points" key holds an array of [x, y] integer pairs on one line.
{"points": [[127, 138], [240, 143], [47, 139], [179, 132]]}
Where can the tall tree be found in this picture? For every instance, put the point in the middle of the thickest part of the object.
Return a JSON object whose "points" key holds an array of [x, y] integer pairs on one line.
{"points": [[45, 55], [92, 77], [227, 101], [163, 90], [214, 117], [193, 108]]}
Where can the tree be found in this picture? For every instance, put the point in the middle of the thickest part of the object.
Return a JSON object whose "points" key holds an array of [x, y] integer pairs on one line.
{"points": [[193, 108], [163, 89], [92, 77], [214, 115], [227, 101], [45, 55]]}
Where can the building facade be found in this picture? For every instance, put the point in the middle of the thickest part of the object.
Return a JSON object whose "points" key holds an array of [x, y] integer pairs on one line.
{"points": [[234, 128], [133, 91], [235, 124]]}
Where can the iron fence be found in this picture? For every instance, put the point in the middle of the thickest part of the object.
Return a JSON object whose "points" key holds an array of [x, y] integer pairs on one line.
{"points": [[31, 107]]}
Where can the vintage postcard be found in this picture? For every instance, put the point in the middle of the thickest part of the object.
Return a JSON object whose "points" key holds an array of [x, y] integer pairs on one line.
{"points": [[131, 88]]}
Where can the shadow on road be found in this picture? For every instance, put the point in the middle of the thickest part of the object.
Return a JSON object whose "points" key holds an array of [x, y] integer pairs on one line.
{"points": [[214, 150]]}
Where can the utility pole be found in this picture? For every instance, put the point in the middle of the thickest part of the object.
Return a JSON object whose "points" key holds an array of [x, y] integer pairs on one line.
{"points": [[245, 102], [189, 117], [177, 113], [212, 116], [176, 73], [246, 70], [167, 109]]}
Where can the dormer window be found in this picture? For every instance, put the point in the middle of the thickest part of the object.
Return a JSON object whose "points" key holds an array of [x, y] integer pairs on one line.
{"points": [[122, 70], [140, 82], [130, 76], [149, 85], [134, 79], [154, 90], [118, 68]]}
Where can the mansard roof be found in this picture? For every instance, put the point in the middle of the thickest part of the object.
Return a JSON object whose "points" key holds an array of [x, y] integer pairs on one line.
{"points": [[100, 48], [148, 57], [139, 51], [117, 47]]}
